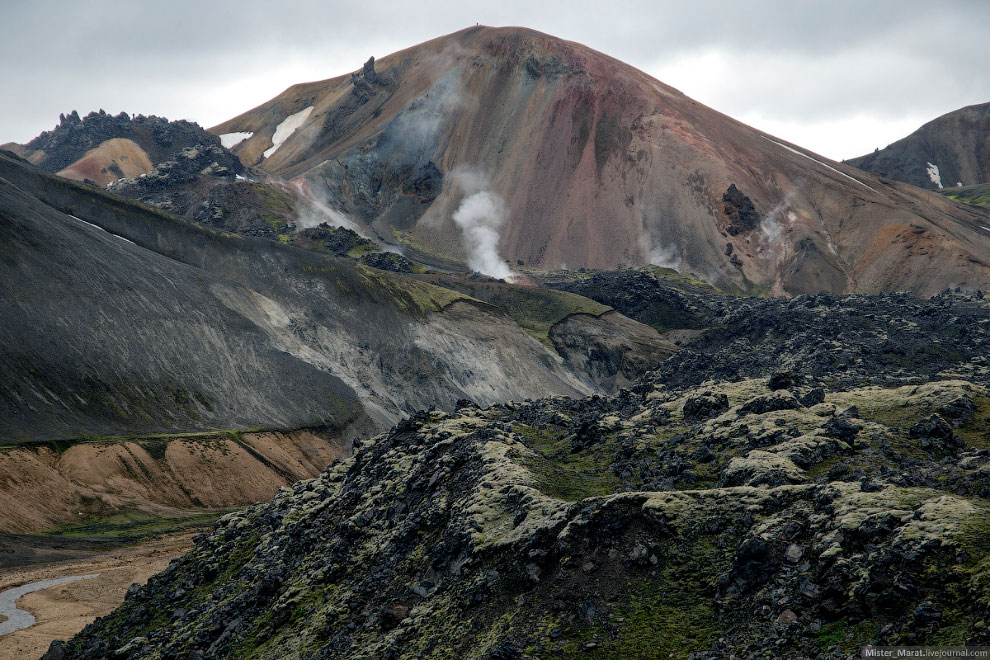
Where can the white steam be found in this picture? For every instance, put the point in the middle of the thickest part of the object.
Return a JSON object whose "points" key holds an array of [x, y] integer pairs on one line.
{"points": [[480, 217], [664, 256], [316, 209], [774, 228]]}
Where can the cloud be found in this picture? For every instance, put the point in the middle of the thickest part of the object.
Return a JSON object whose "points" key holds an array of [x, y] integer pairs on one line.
{"points": [[811, 69]]}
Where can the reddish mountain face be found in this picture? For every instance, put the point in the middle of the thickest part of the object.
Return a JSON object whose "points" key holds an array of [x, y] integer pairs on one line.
{"points": [[547, 154]]}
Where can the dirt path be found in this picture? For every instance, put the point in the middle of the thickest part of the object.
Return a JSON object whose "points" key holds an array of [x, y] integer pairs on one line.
{"points": [[63, 610]]}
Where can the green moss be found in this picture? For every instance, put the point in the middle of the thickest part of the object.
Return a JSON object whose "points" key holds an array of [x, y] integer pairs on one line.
{"points": [[565, 475], [841, 634], [130, 525], [362, 249], [409, 295], [276, 205], [419, 251], [535, 309], [978, 195], [667, 612]]}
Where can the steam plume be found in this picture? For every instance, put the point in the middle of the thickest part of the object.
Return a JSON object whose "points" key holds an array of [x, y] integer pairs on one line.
{"points": [[664, 256], [480, 216], [317, 209]]}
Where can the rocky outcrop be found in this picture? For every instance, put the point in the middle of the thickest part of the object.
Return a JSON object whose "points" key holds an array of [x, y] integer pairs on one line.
{"points": [[854, 338], [160, 138], [602, 527], [766, 502], [739, 212], [209, 160]]}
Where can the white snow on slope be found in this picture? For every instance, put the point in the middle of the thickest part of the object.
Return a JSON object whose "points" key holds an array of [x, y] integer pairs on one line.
{"points": [[103, 230], [934, 175], [814, 160], [231, 140], [986, 228], [287, 128]]}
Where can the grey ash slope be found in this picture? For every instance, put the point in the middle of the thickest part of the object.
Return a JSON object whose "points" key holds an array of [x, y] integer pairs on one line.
{"points": [[789, 515], [179, 328], [947, 151], [101, 335]]}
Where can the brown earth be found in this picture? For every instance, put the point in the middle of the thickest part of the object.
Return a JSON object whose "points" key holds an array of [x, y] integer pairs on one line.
{"points": [[64, 610], [41, 488], [600, 165], [110, 161]]}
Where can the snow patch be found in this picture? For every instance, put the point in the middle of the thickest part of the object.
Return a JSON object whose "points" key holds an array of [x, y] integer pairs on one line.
{"points": [[814, 160], [287, 128], [103, 230], [934, 175], [984, 228], [89, 223], [231, 140]]}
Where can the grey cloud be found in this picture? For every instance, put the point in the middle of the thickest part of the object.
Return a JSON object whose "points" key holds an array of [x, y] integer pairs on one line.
{"points": [[162, 58]]}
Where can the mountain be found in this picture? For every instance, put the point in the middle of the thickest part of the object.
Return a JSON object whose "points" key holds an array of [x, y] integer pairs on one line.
{"points": [[950, 151], [800, 483], [575, 159], [150, 324], [102, 148]]}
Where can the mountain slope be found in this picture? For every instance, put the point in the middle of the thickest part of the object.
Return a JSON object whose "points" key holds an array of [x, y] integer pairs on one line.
{"points": [[949, 151], [792, 514], [150, 324], [598, 165]]}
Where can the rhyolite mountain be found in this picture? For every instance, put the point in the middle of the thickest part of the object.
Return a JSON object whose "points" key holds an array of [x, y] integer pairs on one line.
{"points": [[808, 477], [599, 165], [948, 152], [100, 148], [120, 319]]}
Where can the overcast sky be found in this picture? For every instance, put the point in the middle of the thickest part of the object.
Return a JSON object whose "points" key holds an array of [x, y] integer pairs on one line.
{"points": [[838, 77]]}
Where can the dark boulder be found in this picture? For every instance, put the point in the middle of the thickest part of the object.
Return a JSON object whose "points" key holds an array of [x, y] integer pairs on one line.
{"points": [[390, 261], [780, 400], [705, 405], [740, 211], [935, 433]]}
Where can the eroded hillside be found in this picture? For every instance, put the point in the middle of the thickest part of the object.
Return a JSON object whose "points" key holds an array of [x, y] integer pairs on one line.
{"points": [[807, 511]]}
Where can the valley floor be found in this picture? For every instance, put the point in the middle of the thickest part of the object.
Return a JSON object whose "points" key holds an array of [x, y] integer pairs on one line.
{"points": [[63, 611]]}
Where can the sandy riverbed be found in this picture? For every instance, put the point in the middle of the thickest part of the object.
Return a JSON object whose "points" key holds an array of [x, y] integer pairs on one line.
{"points": [[62, 611]]}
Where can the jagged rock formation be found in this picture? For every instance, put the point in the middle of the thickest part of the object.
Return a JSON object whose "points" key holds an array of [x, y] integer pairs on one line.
{"points": [[599, 165], [187, 166], [884, 339], [65, 148], [798, 513], [950, 151]]}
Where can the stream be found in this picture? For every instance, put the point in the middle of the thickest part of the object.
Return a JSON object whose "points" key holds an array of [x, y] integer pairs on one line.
{"points": [[18, 619]]}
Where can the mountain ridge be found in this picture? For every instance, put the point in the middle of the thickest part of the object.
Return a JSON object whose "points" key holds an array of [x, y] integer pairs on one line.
{"points": [[598, 165], [949, 151]]}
